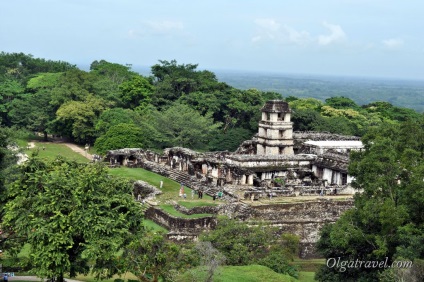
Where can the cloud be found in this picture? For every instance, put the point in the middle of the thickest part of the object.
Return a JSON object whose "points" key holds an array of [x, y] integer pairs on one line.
{"points": [[270, 29], [336, 35], [393, 43]]}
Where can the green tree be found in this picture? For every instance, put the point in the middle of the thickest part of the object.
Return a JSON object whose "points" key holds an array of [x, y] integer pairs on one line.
{"points": [[229, 140], [9, 91], [74, 216], [173, 80], [136, 92], [120, 136], [388, 218], [77, 119], [114, 72], [152, 257], [180, 125], [20, 66], [306, 120], [341, 103], [243, 245], [114, 116]]}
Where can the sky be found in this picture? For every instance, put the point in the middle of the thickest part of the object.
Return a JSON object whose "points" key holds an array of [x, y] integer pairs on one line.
{"points": [[365, 38]]}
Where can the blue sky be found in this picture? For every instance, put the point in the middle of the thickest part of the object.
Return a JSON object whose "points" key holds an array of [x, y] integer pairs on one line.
{"points": [[369, 38]]}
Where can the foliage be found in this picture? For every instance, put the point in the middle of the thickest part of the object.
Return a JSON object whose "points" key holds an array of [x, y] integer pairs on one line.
{"points": [[172, 80], [120, 136], [306, 120], [76, 119], [182, 126], [7, 158], [136, 92], [243, 245], [73, 215], [229, 140], [210, 259], [151, 257], [9, 91], [20, 66], [277, 261], [341, 103], [114, 72], [388, 219], [114, 116]]}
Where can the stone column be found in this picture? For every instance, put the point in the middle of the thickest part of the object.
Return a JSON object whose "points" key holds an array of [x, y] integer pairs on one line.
{"points": [[243, 179], [250, 180]]}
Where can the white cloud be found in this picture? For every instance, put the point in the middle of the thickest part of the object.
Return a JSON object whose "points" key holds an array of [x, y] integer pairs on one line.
{"points": [[299, 37], [336, 34], [393, 43], [270, 29]]}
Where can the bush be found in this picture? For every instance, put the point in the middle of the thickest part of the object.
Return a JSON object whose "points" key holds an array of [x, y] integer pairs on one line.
{"points": [[120, 136]]}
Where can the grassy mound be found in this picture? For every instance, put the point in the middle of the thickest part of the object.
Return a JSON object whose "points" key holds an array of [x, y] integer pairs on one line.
{"points": [[248, 273]]}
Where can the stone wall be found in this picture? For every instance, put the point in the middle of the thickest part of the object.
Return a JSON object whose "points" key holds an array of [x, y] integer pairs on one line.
{"points": [[182, 228], [302, 219]]}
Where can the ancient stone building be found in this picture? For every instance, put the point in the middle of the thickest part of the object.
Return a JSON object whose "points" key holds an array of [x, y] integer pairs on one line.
{"points": [[275, 161], [275, 136]]}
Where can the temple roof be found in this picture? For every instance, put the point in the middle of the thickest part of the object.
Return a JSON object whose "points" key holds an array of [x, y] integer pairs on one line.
{"points": [[276, 106]]}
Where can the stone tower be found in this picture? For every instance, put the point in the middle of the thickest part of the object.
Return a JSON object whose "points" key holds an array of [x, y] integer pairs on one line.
{"points": [[275, 135]]}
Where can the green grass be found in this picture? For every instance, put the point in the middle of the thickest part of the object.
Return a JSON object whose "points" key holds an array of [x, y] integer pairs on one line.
{"points": [[306, 276], [248, 273], [52, 150], [154, 226], [91, 278], [172, 211], [309, 265], [170, 187], [196, 203]]}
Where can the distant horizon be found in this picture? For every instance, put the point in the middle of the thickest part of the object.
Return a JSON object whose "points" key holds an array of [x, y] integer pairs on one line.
{"points": [[366, 39], [145, 70]]}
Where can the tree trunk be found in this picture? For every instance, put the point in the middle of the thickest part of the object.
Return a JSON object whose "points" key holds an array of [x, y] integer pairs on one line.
{"points": [[60, 278], [45, 136]]}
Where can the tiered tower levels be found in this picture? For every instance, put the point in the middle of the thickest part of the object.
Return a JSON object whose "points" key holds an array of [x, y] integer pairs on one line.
{"points": [[275, 136]]}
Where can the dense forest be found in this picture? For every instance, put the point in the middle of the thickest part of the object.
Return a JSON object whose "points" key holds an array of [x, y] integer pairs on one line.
{"points": [[401, 93], [111, 106]]}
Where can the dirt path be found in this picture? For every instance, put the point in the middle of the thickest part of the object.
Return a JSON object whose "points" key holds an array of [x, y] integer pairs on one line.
{"points": [[78, 150]]}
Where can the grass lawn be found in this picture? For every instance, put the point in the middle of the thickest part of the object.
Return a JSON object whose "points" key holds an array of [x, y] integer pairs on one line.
{"points": [[306, 276], [248, 273], [154, 226], [309, 265], [172, 211], [52, 150], [170, 187], [196, 203]]}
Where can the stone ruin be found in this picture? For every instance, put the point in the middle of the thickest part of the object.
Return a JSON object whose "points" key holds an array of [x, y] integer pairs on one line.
{"points": [[275, 163]]}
